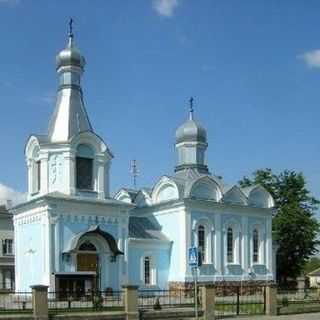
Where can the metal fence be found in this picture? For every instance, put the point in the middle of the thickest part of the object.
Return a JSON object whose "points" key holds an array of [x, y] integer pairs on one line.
{"points": [[298, 301], [15, 302], [91, 301], [240, 300], [158, 299]]}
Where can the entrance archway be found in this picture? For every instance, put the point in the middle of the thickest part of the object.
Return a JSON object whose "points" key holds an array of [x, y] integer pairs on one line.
{"points": [[87, 257], [91, 253]]}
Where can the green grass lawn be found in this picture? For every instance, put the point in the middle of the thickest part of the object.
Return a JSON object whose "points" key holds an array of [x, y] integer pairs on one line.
{"points": [[15, 311]]}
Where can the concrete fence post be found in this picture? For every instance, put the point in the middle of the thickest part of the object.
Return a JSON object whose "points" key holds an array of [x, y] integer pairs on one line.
{"points": [[131, 302], [208, 294], [40, 302], [271, 300]]}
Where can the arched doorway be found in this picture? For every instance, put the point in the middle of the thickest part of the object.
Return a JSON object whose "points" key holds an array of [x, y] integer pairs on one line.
{"points": [[89, 255]]}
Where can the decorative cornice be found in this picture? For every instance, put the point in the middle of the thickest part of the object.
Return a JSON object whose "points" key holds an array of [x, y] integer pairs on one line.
{"points": [[89, 219], [28, 219]]}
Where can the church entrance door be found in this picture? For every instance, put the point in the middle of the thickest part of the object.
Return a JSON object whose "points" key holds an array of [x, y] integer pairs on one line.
{"points": [[87, 262]]}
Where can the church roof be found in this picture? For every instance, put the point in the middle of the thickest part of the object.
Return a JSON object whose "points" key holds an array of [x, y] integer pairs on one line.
{"points": [[61, 196], [185, 179], [70, 116], [71, 55], [191, 131], [74, 242], [131, 192], [145, 228], [191, 183]]}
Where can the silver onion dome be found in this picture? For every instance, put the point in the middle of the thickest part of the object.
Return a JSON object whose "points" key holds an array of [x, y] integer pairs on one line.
{"points": [[191, 131], [70, 56]]}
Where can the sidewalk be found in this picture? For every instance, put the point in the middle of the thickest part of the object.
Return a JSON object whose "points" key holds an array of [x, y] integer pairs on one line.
{"points": [[302, 316]]}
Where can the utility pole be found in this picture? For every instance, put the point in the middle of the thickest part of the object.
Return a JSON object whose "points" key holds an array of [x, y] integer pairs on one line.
{"points": [[135, 172]]}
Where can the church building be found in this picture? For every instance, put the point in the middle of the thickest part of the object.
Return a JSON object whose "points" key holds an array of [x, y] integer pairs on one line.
{"points": [[72, 235]]}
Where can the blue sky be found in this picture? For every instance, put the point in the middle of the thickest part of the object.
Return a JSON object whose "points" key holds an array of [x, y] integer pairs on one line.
{"points": [[252, 67]]}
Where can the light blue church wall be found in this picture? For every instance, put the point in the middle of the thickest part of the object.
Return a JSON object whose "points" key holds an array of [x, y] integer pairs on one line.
{"points": [[216, 224], [160, 257], [173, 226], [31, 257]]}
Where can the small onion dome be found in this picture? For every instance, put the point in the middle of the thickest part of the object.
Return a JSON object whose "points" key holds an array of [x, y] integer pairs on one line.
{"points": [[70, 56], [191, 131]]}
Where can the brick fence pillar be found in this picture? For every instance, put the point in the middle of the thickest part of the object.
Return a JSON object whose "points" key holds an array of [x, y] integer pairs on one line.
{"points": [[40, 302], [208, 293], [271, 300], [131, 302]]}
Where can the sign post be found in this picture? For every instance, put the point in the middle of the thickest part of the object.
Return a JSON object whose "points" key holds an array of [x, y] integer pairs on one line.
{"points": [[193, 263]]}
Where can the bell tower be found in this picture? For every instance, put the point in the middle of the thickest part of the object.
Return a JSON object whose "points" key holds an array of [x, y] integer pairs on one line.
{"points": [[70, 158]]}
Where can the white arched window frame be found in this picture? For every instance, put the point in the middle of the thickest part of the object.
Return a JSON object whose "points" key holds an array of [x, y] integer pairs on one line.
{"points": [[165, 190], [205, 188], [205, 227], [257, 249], [202, 243], [148, 272], [232, 250]]}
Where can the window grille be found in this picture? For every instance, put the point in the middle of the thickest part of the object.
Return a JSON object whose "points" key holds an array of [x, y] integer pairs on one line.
{"points": [[230, 244]]}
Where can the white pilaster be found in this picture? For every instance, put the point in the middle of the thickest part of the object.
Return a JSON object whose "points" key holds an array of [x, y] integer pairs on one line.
{"points": [[218, 253], [30, 178], [185, 242], [57, 245], [269, 244], [100, 174], [69, 182], [106, 178], [245, 255], [44, 179]]}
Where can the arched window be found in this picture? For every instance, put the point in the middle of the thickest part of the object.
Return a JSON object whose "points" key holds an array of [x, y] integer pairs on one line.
{"points": [[230, 246], [147, 270], [202, 242], [255, 246], [84, 167]]}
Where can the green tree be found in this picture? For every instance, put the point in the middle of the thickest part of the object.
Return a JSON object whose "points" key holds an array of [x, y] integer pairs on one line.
{"points": [[295, 227]]}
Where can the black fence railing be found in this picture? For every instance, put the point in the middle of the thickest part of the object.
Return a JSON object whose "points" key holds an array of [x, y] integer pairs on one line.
{"points": [[240, 300], [158, 299], [15, 302], [298, 300], [91, 301]]}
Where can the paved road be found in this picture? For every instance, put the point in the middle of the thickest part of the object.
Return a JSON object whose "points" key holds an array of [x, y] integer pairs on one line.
{"points": [[303, 316]]}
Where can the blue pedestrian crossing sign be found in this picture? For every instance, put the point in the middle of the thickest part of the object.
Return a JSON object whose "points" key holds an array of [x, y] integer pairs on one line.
{"points": [[193, 256]]}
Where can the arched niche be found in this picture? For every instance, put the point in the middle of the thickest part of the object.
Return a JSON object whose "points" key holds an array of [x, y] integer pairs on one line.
{"points": [[260, 197], [235, 196], [205, 188], [165, 190]]}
